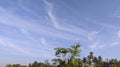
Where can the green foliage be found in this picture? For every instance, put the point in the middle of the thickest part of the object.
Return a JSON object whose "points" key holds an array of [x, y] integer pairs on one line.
{"points": [[70, 57], [15, 65]]}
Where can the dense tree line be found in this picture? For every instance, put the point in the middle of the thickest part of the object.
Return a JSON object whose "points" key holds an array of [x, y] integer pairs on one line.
{"points": [[70, 57]]}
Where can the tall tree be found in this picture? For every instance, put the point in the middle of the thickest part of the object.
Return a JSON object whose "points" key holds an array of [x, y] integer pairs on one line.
{"points": [[67, 56], [90, 57]]}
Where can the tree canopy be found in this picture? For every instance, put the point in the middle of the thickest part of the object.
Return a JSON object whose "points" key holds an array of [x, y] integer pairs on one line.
{"points": [[70, 57]]}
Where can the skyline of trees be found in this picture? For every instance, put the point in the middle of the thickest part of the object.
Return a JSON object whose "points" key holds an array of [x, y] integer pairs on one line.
{"points": [[70, 57]]}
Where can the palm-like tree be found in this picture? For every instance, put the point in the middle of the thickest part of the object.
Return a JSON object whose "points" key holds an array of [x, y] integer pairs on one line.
{"points": [[68, 55], [75, 51]]}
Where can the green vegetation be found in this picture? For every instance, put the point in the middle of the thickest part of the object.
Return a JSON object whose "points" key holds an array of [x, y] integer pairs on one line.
{"points": [[70, 57]]}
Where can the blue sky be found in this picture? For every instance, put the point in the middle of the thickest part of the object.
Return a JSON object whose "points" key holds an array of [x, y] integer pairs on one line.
{"points": [[30, 30]]}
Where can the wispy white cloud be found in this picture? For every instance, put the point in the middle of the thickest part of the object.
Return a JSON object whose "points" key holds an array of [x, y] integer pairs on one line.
{"points": [[118, 33], [43, 41], [27, 51], [96, 46], [93, 46], [26, 27], [7, 43], [108, 25], [63, 25], [116, 43], [22, 5], [116, 12], [46, 44], [102, 46], [102, 24], [92, 35], [11, 19], [27, 34]]}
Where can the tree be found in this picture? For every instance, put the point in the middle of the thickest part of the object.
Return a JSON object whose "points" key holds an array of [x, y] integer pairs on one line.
{"points": [[67, 56], [90, 58], [99, 62], [35, 64], [95, 60], [9, 65], [18, 65], [100, 59], [30, 65], [75, 51], [47, 64]]}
